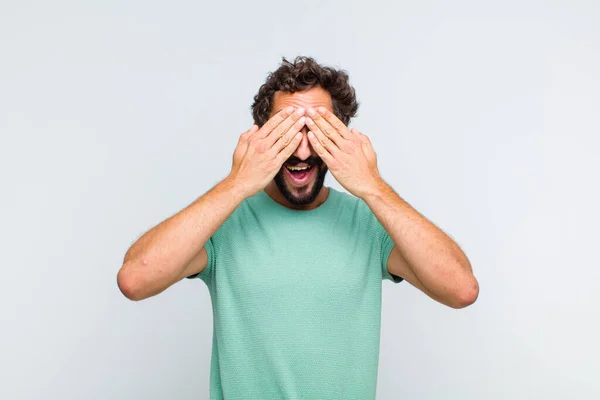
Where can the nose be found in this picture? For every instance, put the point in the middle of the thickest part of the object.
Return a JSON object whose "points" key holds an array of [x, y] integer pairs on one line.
{"points": [[304, 149]]}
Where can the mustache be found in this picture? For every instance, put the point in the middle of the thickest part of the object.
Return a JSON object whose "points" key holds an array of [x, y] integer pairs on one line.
{"points": [[315, 161]]}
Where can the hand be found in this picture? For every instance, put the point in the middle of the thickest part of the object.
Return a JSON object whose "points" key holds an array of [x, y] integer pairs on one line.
{"points": [[348, 154], [260, 153]]}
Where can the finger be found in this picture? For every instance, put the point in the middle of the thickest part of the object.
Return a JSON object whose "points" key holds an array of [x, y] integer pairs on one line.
{"points": [[324, 127], [367, 146], [288, 136], [363, 138], [334, 121], [249, 132], [358, 135], [274, 121], [361, 135], [321, 151], [246, 135], [325, 141], [289, 149], [294, 123]]}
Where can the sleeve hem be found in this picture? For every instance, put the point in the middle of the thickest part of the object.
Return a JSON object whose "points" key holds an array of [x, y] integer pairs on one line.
{"points": [[387, 250], [205, 273]]}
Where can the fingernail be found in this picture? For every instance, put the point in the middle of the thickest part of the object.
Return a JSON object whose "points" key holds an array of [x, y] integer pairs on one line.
{"points": [[289, 110], [300, 111], [302, 120], [309, 121], [322, 110], [311, 112]]}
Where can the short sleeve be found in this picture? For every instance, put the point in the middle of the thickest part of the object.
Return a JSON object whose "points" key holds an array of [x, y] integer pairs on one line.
{"points": [[207, 272], [387, 244]]}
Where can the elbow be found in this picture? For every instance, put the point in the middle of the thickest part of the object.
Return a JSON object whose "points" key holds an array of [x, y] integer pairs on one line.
{"points": [[128, 285], [466, 295]]}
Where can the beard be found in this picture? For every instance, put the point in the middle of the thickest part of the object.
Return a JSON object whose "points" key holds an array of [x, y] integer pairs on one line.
{"points": [[306, 194]]}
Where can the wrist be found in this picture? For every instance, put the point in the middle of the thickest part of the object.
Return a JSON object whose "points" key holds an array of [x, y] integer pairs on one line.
{"points": [[235, 187], [375, 190]]}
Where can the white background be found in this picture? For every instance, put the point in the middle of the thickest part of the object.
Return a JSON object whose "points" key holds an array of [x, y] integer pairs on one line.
{"points": [[115, 115]]}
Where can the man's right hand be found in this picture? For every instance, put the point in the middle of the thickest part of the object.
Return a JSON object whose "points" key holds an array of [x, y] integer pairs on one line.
{"points": [[260, 153]]}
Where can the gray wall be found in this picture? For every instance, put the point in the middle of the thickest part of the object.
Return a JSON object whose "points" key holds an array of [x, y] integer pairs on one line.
{"points": [[115, 115]]}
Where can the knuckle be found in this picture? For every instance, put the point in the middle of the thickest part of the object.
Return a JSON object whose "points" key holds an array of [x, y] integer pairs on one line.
{"points": [[282, 130], [268, 127], [280, 117], [257, 145]]}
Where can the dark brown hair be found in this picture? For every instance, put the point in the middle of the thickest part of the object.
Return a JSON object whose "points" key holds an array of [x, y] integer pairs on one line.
{"points": [[302, 74]]}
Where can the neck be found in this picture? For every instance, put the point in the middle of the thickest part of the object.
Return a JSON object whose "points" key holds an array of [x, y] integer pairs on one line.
{"points": [[273, 191]]}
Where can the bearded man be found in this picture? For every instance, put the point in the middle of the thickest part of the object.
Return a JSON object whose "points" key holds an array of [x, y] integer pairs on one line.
{"points": [[294, 268]]}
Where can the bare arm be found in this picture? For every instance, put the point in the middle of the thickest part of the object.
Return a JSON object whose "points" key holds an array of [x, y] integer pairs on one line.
{"points": [[174, 249], [423, 255]]}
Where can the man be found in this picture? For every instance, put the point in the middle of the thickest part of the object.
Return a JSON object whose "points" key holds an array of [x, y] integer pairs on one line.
{"points": [[294, 268]]}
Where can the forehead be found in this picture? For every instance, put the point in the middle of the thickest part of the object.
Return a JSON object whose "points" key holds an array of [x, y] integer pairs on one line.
{"points": [[313, 97]]}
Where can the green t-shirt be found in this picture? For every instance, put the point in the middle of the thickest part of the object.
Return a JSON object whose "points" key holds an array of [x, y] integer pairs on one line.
{"points": [[296, 299]]}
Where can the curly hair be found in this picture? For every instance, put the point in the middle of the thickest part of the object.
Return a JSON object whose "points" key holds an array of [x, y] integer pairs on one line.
{"points": [[302, 74]]}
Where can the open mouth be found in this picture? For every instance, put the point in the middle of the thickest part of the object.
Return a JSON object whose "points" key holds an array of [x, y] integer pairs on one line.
{"points": [[300, 175]]}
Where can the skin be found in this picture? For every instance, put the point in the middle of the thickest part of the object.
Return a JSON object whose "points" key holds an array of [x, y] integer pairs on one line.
{"points": [[423, 255], [302, 125], [174, 249], [315, 97]]}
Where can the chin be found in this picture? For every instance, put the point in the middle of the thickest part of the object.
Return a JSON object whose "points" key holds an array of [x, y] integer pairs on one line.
{"points": [[300, 196]]}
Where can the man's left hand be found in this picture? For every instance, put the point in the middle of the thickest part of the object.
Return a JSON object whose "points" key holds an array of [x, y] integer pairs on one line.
{"points": [[348, 154]]}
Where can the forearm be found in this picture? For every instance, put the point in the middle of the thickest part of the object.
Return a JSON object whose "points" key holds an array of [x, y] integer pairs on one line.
{"points": [[434, 258], [160, 257]]}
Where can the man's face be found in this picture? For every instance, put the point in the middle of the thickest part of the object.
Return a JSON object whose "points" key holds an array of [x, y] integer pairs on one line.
{"points": [[302, 176]]}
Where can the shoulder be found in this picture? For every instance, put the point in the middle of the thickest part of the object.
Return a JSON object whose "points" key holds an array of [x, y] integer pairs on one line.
{"points": [[354, 207], [345, 200], [238, 217]]}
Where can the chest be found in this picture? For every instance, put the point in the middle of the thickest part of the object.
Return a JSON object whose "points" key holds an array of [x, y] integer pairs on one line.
{"points": [[283, 261]]}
